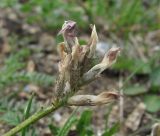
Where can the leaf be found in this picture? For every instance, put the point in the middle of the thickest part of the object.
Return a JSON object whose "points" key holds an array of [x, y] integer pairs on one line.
{"points": [[112, 130], [155, 77], [54, 130], [27, 113], [84, 122], [67, 126], [10, 118], [152, 103], [125, 63], [33, 133], [28, 108], [12, 64], [135, 89]]}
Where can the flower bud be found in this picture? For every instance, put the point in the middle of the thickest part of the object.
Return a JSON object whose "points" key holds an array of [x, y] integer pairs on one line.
{"points": [[93, 100]]}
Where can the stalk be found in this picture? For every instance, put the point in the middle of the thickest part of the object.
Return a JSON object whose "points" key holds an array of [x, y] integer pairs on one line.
{"points": [[32, 119]]}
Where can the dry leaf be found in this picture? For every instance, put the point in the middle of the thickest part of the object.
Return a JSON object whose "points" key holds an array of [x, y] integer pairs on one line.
{"points": [[135, 117], [30, 66], [156, 130]]}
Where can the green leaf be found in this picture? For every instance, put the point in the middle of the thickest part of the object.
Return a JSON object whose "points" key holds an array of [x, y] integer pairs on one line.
{"points": [[135, 89], [36, 78], [10, 118], [152, 103], [155, 77], [84, 122], [12, 64], [27, 113], [82, 42], [67, 126], [54, 130], [28, 108], [33, 133], [112, 130], [125, 63]]}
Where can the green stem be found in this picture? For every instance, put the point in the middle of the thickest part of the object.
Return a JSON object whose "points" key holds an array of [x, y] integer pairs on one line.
{"points": [[38, 115]]}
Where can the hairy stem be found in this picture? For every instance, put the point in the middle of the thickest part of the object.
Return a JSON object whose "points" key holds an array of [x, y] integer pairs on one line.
{"points": [[32, 119]]}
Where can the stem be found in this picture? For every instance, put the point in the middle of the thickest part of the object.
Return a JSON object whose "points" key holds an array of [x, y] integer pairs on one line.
{"points": [[38, 115]]}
